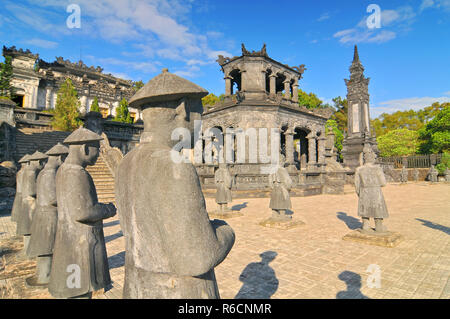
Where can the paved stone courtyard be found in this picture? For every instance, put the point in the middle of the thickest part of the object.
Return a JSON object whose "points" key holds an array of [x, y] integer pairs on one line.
{"points": [[312, 261]]}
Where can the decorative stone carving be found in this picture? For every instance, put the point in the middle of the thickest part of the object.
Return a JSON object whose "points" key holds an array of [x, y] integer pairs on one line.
{"points": [[169, 237], [79, 242], [45, 217]]}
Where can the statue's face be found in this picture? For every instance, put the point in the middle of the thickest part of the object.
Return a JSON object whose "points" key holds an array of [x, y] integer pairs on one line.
{"points": [[91, 152]]}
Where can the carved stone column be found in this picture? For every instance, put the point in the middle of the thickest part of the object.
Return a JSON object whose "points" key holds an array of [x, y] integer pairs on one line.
{"points": [[287, 89], [289, 144], [273, 85], [312, 158], [48, 97], [321, 149], [295, 92], [228, 86]]}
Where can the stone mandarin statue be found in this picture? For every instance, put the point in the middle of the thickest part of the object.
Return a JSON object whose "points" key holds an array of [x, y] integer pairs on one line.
{"points": [[29, 196], [171, 245], [80, 263], [17, 205], [433, 174], [369, 179], [45, 218], [404, 175], [223, 181], [280, 182]]}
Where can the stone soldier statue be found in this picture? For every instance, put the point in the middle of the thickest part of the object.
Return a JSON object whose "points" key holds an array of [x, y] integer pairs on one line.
{"points": [[447, 175], [45, 218], [369, 179], [223, 181], [80, 263], [416, 175], [433, 174], [29, 197], [171, 245], [280, 182], [17, 205], [404, 175]]}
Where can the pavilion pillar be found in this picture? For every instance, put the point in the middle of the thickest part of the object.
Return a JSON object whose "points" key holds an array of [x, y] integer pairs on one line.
{"points": [[312, 158], [287, 89], [295, 92], [228, 86], [321, 149], [289, 146], [273, 84]]}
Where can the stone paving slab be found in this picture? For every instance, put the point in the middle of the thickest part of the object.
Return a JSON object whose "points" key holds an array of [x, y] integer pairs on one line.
{"points": [[312, 261]]}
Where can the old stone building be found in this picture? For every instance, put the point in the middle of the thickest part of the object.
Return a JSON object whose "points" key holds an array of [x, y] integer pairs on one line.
{"points": [[261, 94], [36, 83], [358, 120]]}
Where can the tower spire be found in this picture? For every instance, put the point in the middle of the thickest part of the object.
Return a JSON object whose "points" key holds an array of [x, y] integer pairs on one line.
{"points": [[356, 55]]}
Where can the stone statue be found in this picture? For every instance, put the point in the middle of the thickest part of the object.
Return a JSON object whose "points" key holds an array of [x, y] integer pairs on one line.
{"points": [[280, 182], [45, 218], [79, 246], [404, 175], [433, 174], [369, 179], [447, 175], [171, 245], [223, 181], [416, 175], [29, 197], [17, 205]]}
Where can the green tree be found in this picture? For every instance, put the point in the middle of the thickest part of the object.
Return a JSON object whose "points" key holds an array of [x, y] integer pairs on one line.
{"points": [[398, 142], [444, 164], [94, 106], [138, 85], [6, 73], [436, 133], [211, 100], [66, 115], [401, 119], [339, 136], [309, 100], [122, 113], [340, 116]]}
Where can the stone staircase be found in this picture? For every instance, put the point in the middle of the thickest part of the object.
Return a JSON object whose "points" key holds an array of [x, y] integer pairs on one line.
{"points": [[103, 180], [29, 140]]}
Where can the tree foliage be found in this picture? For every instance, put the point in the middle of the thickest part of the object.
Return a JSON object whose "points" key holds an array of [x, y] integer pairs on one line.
{"points": [[138, 85], [444, 164], [435, 135], [94, 106], [122, 113], [340, 116], [398, 142], [66, 115], [211, 100], [309, 100], [6, 73]]}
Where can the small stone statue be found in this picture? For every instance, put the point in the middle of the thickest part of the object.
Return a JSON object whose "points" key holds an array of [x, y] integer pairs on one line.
{"points": [[433, 174], [79, 249], [369, 179], [223, 181], [280, 182], [29, 197], [17, 205], [404, 175], [416, 175], [447, 175], [45, 218], [171, 245]]}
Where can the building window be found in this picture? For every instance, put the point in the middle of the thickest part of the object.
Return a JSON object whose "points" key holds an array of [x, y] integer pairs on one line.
{"points": [[19, 100]]}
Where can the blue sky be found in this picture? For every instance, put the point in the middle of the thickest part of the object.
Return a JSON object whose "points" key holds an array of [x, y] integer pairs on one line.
{"points": [[407, 58]]}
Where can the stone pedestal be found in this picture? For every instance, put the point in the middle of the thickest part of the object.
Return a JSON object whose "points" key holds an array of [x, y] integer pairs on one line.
{"points": [[385, 239], [216, 214], [283, 225]]}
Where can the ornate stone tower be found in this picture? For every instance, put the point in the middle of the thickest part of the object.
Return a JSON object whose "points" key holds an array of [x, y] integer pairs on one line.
{"points": [[359, 130]]}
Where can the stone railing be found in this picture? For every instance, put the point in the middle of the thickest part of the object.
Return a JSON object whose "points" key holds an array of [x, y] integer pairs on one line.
{"points": [[32, 118]]}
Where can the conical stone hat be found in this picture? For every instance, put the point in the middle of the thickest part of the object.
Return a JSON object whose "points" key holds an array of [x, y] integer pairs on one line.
{"points": [[58, 149], [82, 136], [25, 159], [166, 87], [37, 156]]}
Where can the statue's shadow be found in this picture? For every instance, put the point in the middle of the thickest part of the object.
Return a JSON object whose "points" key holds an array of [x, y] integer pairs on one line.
{"points": [[432, 225], [239, 206], [353, 282], [117, 260], [351, 222], [258, 278]]}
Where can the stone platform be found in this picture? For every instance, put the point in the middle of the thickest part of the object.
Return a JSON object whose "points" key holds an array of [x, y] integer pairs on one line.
{"points": [[387, 239], [226, 215], [283, 225]]}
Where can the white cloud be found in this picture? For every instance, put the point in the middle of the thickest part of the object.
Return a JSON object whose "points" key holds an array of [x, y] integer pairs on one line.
{"points": [[324, 16], [414, 103], [42, 43], [392, 22], [436, 4]]}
